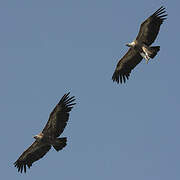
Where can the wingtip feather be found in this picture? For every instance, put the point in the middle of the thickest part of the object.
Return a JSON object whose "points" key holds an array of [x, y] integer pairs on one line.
{"points": [[160, 11], [119, 78]]}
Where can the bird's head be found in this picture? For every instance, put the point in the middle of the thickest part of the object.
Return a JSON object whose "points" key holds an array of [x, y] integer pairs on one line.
{"points": [[38, 136], [132, 44], [35, 137], [128, 45]]}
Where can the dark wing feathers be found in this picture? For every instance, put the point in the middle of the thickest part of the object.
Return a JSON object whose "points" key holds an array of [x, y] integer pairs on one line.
{"points": [[54, 127], [149, 29], [125, 65], [148, 32], [59, 117], [35, 152]]}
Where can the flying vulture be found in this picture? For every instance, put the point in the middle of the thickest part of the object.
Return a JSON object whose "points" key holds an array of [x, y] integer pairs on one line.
{"points": [[49, 136], [140, 48]]}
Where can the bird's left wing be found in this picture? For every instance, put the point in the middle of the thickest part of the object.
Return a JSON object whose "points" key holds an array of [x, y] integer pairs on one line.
{"points": [[149, 29], [35, 152], [59, 117], [125, 65]]}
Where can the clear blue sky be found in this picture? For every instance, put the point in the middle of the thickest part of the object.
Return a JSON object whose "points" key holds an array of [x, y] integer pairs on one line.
{"points": [[129, 131]]}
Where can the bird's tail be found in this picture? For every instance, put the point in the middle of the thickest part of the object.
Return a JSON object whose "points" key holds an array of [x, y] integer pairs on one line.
{"points": [[152, 51], [59, 143]]}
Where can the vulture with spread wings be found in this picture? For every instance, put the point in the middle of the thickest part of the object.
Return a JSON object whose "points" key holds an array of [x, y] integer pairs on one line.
{"points": [[49, 136], [140, 48]]}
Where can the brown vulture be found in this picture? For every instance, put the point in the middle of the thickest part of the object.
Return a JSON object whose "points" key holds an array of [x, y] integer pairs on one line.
{"points": [[140, 48], [49, 136]]}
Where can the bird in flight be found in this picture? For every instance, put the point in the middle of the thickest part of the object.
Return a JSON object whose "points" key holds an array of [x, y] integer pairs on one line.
{"points": [[140, 48], [49, 135]]}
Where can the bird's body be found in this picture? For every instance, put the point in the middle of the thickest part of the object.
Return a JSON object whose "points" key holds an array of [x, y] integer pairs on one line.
{"points": [[145, 51], [49, 136], [140, 48], [50, 140]]}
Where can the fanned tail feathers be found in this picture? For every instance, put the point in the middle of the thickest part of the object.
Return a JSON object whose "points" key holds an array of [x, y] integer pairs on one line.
{"points": [[152, 51], [60, 143]]}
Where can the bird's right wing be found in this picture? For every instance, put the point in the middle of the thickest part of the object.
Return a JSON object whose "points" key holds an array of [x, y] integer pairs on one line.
{"points": [[59, 117], [125, 65], [35, 152], [149, 29]]}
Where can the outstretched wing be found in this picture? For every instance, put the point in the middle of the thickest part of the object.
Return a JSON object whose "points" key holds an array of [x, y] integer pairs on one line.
{"points": [[149, 29], [35, 152], [59, 117], [125, 65]]}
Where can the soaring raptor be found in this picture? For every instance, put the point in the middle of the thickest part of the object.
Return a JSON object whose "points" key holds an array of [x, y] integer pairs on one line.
{"points": [[140, 48], [49, 136]]}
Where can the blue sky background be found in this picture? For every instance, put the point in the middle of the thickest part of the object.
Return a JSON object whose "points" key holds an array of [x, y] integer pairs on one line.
{"points": [[129, 131]]}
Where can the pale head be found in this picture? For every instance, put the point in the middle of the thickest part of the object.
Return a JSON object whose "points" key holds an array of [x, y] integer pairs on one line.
{"points": [[132, 44], [38, 136]]}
